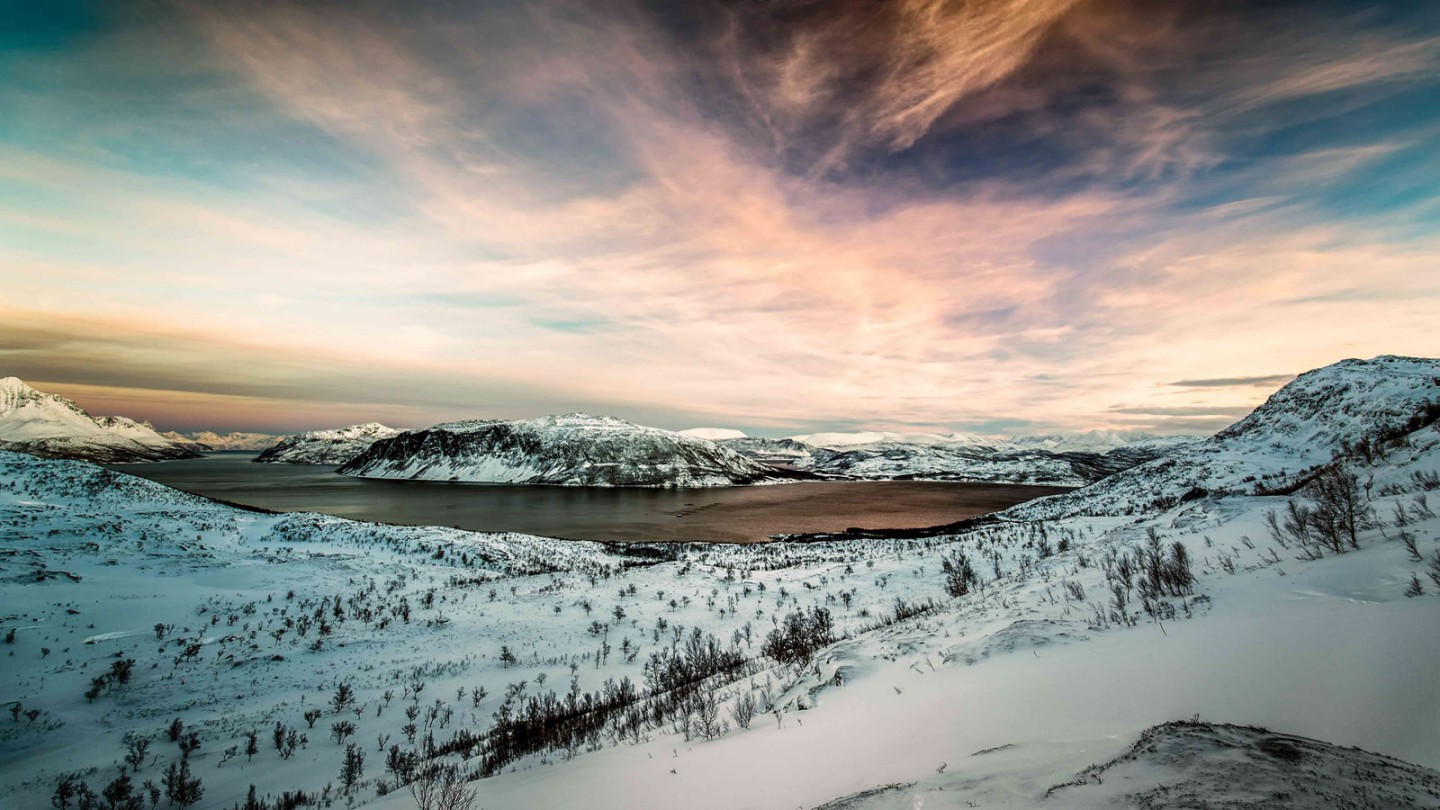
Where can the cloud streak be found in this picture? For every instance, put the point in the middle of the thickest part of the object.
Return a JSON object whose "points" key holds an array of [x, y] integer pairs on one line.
{"points": [[1263, 380]]}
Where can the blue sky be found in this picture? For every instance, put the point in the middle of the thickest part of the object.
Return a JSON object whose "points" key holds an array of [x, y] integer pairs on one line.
{"points": [[1002, 216]]}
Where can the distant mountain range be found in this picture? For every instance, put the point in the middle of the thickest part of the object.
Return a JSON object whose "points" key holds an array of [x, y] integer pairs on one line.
{"points": [[1071, 459], [582, 450], [335, 446], [52, 426], [571, 450], [713, 434], [206, 441]]}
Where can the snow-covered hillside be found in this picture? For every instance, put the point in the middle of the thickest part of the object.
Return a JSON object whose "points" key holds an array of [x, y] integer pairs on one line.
{"points": [[1057, 459], [966, 462], [1024, 662], [571, 450], [207, 441], [788, 452], [52, 426], [335, 446], [1351, 404]]}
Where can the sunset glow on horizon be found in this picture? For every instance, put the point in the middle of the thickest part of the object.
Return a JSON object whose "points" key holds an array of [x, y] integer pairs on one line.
{"points": [[998, 217]]}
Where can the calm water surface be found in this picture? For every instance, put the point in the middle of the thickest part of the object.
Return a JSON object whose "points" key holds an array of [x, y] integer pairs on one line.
{"points": [[729, 514]]}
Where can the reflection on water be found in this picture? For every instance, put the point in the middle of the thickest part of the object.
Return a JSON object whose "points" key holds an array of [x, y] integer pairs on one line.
{"points": [[730, 514]]}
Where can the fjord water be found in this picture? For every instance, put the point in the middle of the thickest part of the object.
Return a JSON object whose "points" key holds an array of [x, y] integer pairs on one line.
{"points": [[726, 514]]}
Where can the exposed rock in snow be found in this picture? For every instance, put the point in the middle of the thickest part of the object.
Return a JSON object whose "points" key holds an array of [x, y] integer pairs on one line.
{"points": [[1191, 764], [714, 434], [571, 450], [52, 426], [335, 446], [1211, 766], [206, 441]]}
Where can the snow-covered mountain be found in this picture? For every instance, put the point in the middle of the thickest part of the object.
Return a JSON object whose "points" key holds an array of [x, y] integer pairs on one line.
{"points": [[967, 462], [786, 452], [1058, 459], [820, 674], [571, 450], [54, 427], [713, 434], [1353, 403], [207, 441], [1063, 459], [1097, 441], [335, 446], [871, 437]]}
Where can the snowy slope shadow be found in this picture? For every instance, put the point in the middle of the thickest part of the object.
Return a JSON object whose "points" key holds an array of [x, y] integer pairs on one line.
{"points": [[1209, 765]]}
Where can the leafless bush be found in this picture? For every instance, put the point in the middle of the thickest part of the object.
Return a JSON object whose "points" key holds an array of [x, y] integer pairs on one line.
{"points": [[440, 786], [743, 712], [1411, 547]]}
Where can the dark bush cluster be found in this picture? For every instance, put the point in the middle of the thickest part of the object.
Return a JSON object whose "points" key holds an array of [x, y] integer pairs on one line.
{"points": [[800, 635], [960, 575]]}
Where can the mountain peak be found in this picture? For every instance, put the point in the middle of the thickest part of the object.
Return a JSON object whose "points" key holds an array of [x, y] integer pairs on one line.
{"points": [[14, 391], [50, 425], [331, 446]]}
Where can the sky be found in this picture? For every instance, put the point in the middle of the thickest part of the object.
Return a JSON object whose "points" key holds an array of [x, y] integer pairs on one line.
{"points": [[994, 216]]}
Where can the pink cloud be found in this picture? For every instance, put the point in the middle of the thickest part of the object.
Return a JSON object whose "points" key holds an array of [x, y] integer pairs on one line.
{"points": [[710, 279]]}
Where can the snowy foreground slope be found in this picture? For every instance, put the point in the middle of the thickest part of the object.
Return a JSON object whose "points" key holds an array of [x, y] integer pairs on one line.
{"points": [[578, 674], [335, 446], [571, 450], [52, 426]]}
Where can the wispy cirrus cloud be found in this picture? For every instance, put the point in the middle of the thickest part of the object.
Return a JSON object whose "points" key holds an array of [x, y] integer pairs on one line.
{"points": [[866, 74], [915, 215]]}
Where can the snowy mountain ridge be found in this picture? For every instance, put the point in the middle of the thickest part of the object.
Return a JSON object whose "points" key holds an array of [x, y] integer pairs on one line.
{"points": [[836, 440], [52, 426], [331, 446], [1091, 441], [1050, 460], [568, 450], [207, 441], [1096, 441], [714, 434], [971, 463], [1349, 404]]}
